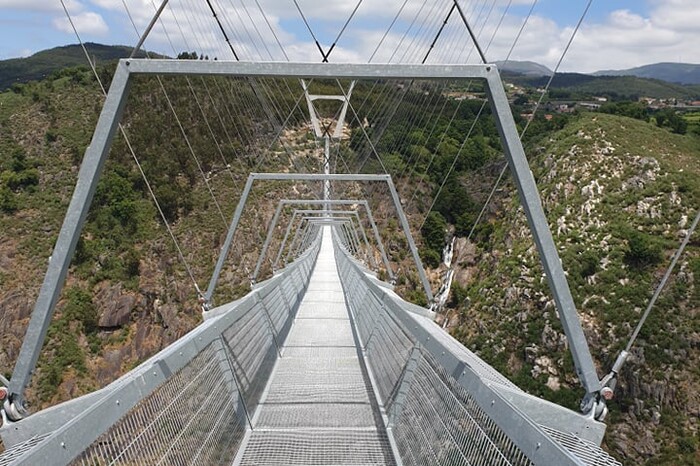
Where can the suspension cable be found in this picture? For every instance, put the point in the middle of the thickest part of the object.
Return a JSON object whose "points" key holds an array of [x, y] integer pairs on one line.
{"points": [[342, 30], [318, 45], [663, 282], [534, 112], [180, 126], [181, 255]]}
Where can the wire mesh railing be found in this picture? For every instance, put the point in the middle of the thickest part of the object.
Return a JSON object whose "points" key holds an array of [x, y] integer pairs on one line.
{"points": [[192, 402], [442, 401], [196, 402]]}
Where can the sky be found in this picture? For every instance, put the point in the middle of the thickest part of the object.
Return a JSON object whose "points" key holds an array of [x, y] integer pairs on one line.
{"points": [[615, 34]]}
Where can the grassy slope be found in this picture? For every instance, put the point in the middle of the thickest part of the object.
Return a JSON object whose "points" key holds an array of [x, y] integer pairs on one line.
{"points": [[604, 180]]}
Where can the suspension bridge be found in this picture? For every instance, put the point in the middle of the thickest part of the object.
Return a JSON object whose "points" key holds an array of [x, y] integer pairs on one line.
{"points": [[322, 363]]}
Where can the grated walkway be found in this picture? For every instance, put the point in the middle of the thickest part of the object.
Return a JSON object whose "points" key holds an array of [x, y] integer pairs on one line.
{"points": [[319, 407]]}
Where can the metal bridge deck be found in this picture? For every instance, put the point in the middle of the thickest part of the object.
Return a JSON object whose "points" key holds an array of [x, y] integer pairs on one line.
{"points": [[319, 407]]}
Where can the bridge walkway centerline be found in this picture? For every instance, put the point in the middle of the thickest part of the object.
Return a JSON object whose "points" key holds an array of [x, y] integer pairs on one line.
{"points": [[319, 406]]}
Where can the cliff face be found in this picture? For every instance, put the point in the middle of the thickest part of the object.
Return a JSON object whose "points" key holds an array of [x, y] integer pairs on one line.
{"points": [[619, 195]]}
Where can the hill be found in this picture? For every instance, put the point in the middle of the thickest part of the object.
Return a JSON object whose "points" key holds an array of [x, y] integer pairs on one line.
{"points": [[526, 68], [680, 73], [614, 87], [42, 64], [618, 194]]}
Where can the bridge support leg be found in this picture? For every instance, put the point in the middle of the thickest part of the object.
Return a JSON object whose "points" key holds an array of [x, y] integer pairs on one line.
{"points": [[60, 259], [539, 226]]}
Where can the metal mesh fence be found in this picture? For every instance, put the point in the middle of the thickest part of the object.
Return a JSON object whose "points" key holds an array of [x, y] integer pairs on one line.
{"points": [[588, 452], [253, 353], [386, 344], [199, 415], [190, 419], [441, 424], [11, 455], [434, 419], [437, 422]]}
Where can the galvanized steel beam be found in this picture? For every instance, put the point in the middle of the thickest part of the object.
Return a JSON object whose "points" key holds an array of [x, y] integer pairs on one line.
{"points": [[60, 259], [530, 199], [284, 202], [319, 177], [306, 70]]}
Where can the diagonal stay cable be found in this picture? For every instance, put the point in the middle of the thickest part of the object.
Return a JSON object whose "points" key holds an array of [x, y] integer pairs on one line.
{"points": [[180, 126], [252, 82], [201, 109], [663, 282], [227, 99], [481, 109], [320, 49], [401, 97], [471, 32], [459, 105], [181, 255], [260, 87], [274, 33], [532, 116], [342, 30], [357, 118]]}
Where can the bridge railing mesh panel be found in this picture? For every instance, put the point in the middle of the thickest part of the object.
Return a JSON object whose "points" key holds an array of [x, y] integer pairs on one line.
{"points": [[441, 424], [9, 456], [387, 347], [190, 403], [252, 352], [433, 417], [192, 415]]}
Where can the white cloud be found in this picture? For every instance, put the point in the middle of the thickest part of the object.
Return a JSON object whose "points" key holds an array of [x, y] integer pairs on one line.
{"points": [[88, 23], [624, 38], [40, 5]]}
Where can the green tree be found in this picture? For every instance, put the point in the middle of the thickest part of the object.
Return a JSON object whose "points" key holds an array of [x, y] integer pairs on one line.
{"points": [[434, 231]]}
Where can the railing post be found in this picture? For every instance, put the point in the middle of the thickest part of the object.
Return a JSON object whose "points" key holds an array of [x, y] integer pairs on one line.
{"points": [[260, 301], [404, 385], [227, 367], [284, 241]]}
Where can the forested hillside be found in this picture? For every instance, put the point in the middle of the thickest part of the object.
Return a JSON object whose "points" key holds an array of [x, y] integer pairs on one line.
{"points": [[618, 192]]}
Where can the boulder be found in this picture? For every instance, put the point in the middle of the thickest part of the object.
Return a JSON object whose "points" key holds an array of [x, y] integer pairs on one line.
{"points": [[114, 306]]}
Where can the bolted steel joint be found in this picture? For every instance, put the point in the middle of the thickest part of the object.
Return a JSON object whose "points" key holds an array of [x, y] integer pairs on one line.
{"points": [[13, 409]]}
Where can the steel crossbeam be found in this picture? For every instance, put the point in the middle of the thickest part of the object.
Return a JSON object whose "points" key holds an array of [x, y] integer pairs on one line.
{"points": [[330, 202], [316, 177], [305, 211]]}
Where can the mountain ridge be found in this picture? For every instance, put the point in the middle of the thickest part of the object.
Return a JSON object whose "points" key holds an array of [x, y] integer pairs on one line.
{"points": [[678, 73], [527, 68], [43, 63]]}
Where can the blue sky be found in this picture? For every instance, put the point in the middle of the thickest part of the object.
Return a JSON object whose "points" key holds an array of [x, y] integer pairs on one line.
{"points": [[616, 34]]}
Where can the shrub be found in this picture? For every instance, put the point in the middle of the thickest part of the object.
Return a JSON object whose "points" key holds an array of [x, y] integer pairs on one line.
{"points": [[8, 203], [430, 257], [588, 260], [642, 250], [434, 230], [79, 308]]}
